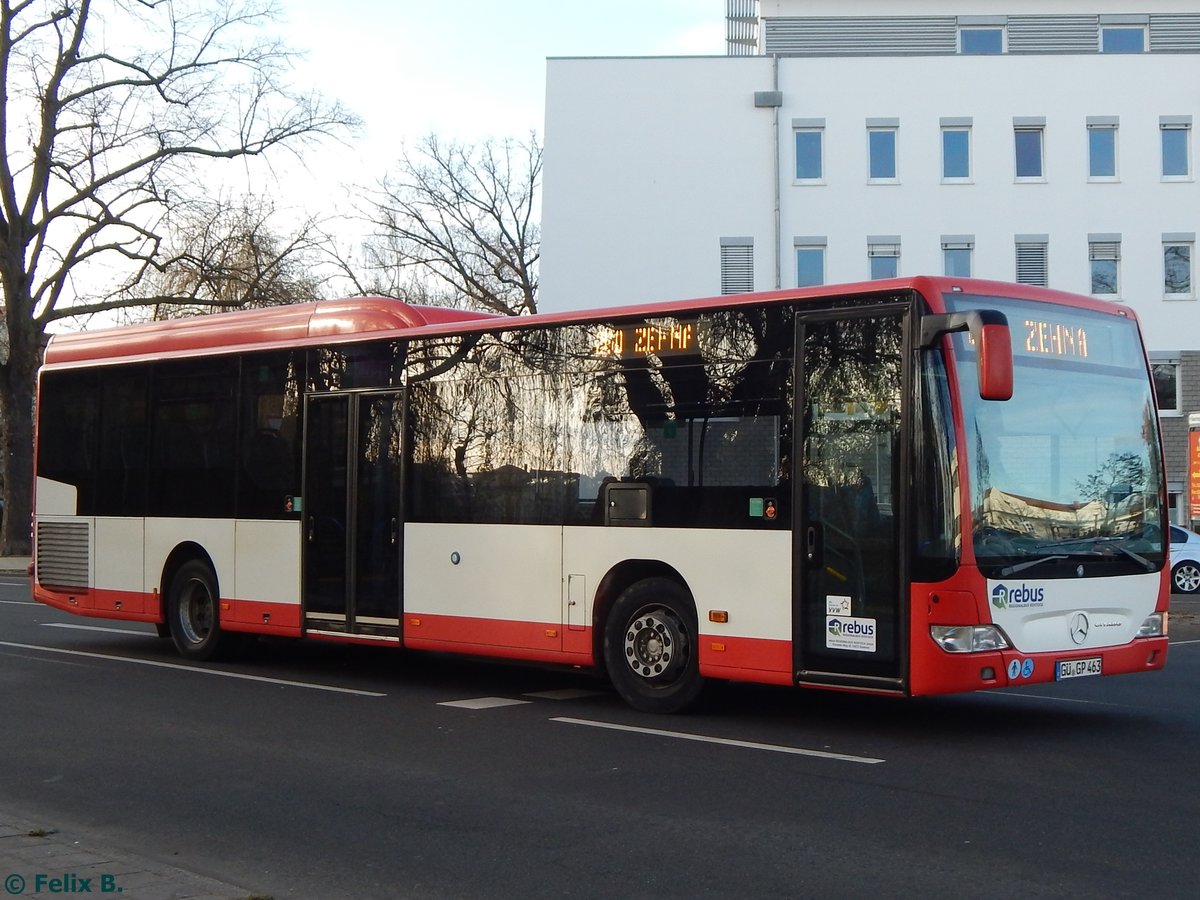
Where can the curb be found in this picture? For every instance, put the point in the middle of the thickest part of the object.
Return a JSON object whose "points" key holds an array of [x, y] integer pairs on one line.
{"points": [[14, 566], [36, 860]]}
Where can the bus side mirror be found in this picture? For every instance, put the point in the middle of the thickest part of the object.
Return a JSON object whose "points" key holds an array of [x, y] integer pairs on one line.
{"points": [[993, 346], [995, 362]]}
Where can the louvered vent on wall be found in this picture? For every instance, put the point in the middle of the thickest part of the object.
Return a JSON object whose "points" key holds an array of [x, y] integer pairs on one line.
{"points": [[861, 35], [741, 27], [1032, 263], [737, 265], [63, 554], [1174, 34], [1053, 34]]}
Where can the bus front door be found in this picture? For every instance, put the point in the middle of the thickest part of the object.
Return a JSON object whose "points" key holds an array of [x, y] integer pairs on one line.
{"points": [[848, 596], [352, 513]]}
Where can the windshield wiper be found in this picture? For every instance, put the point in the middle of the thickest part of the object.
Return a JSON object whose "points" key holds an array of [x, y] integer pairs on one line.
{"points": [[1115, 543], [1104, 542], [1137, 557], [1029, 564]]}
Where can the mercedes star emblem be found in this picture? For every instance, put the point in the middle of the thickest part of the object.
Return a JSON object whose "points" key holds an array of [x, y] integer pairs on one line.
{"points": [[1079, 628]]}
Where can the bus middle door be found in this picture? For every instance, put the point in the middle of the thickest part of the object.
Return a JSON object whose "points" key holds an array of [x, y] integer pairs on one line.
{"points": [[352, 514]]}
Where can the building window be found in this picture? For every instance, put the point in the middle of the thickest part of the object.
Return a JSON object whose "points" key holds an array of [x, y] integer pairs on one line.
{"points": [[737, 265], [1104, 258], [980, 40], [810, 261], [956, 152], [1102, 150], [810, 152], [1165, 370], [1123, 39], [883, 256], [1033, 260], [1028, 144], [1176, 146], [957, 252], [1177, 266], [881, 149]]}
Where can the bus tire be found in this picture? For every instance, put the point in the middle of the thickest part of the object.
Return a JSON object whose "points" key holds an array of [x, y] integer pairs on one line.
{"points": [[193, 613], [650, 647]]}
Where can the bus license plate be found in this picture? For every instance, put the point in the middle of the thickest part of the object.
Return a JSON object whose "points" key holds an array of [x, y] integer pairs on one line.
{"points": [[1077, 668]]}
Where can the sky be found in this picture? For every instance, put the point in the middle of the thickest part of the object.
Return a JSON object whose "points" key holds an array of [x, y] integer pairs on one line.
{"points": [[469, 69], [466, 70]]}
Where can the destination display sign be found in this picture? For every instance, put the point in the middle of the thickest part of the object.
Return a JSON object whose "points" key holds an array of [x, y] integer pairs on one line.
{"points": [[637, 340]]}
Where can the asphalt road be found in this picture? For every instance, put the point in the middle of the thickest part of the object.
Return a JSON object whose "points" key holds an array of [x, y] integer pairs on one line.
{"points": [[324, 771]]}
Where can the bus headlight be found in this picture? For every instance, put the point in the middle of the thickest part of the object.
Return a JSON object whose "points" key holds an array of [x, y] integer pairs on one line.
{"points": [[1154, 625], [968, 638]]}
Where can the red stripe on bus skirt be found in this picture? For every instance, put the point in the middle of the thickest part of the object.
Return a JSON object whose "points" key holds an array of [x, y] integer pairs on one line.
{"points": [[743, 659], [503, 638], [746, 659], [135, 606]]}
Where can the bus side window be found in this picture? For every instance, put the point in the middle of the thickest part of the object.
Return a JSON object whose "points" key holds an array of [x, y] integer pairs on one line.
{"points": [[269, 464]]}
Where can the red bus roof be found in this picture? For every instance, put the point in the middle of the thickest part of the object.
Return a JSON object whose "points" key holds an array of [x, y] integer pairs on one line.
{"points": [[278, 326], [334, 321]]}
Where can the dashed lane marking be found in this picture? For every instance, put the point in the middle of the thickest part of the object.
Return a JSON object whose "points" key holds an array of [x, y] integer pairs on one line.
{"points": [[196, 670], [725, 742], [484, 703]]}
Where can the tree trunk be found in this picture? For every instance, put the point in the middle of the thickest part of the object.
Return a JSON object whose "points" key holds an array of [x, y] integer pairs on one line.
{"points": [[18, 379]]}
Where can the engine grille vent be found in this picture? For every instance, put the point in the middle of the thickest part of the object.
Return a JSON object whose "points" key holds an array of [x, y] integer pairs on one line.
{"points": [[63, 554]]}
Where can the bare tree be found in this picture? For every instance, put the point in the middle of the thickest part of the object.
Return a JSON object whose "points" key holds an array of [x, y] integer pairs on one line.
{"points": [[113, 112], [456, 225], [224, 255]]}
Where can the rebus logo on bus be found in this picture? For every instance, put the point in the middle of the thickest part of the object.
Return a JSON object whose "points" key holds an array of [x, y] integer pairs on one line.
{"points": [[850, 633], [1020, 596]]}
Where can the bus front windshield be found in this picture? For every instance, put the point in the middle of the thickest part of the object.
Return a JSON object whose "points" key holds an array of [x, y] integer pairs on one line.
{"points": [[1065, 477]]}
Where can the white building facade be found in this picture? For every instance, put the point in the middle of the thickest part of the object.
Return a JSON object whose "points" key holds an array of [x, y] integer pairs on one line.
{"points": [[1043, 141]]}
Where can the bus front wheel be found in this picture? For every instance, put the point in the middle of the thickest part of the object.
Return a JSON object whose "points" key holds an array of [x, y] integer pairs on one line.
{"points": [[650, 647], [192, 613]]}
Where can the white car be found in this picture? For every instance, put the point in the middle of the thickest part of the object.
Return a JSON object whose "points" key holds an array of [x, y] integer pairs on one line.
{"points": [[1185, 561]]}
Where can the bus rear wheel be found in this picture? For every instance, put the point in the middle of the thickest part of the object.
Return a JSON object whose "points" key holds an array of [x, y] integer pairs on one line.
{"points": [[192, 613], [650, 647]]}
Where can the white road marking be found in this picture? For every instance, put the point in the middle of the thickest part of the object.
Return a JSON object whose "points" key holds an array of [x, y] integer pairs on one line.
{"points": [[97, 628], [44, 660], [195, 669], [1047, 698], [483, 703], [19, 602], [726, 742]]}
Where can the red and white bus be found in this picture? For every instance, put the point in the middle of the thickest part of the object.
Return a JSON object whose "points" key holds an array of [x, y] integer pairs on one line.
{"points": [[909, 487]]}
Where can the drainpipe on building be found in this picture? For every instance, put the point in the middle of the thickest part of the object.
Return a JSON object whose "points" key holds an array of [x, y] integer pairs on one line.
{"points": [[773, 99], [778, 187]]}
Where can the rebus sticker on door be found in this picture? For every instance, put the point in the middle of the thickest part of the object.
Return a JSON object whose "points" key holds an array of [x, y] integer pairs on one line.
{"points": [[849, 633]]}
